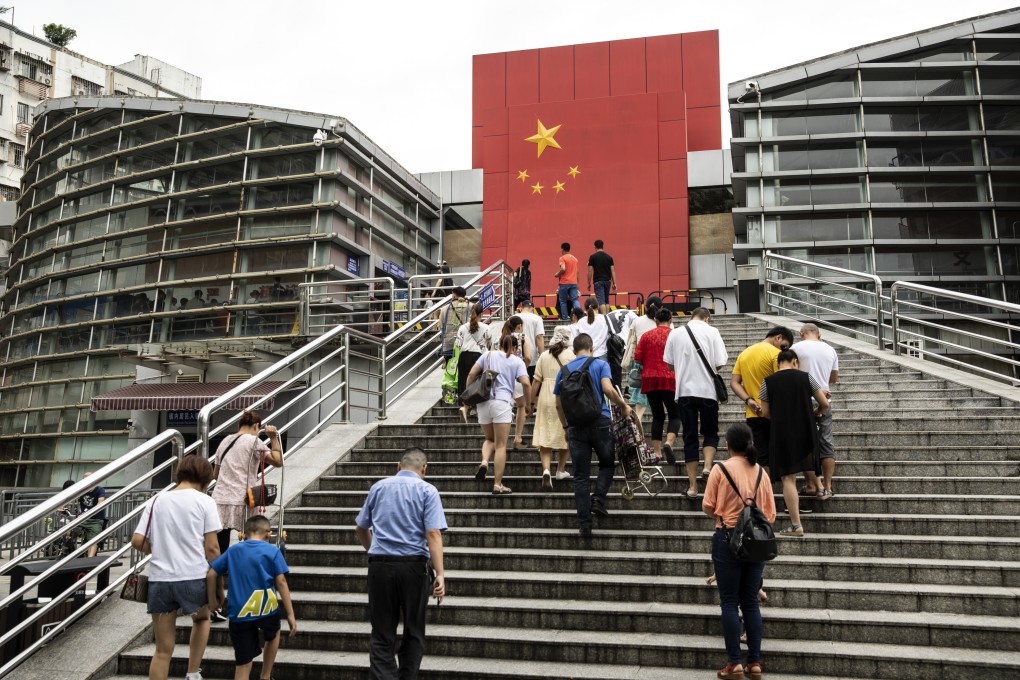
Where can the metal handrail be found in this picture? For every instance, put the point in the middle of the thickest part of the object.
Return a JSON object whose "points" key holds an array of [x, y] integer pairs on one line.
{"points": [[39, 513], [871, 279], [897, 316]]}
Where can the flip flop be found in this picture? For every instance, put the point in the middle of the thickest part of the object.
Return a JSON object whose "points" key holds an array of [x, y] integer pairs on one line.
{"points": [[482, 469]]}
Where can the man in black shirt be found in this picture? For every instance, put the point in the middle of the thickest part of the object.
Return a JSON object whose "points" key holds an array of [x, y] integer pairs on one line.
{"points": [[602, 270]]}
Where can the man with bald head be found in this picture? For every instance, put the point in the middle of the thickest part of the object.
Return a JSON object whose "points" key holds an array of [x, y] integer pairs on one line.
{"points": [[820, 361]]}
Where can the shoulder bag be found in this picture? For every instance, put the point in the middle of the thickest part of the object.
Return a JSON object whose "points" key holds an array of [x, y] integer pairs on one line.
{"points": [[721, 395], [262, 494], [752, 538], [136, 587], [628, 356], [481, 389]]}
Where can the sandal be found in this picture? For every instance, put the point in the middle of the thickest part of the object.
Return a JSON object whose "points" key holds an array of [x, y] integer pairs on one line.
{"points": [[733, 671], [480, 475], [809, 493], [518, 444], [763, 597], [753, 670], [500, 490], [792, 531], [824, 495]]}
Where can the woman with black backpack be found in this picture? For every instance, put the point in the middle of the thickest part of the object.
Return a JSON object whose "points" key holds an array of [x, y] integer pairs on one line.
{"points": [[738, 580]]}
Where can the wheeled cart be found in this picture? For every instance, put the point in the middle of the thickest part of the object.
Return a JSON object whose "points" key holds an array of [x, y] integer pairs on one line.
{"points": [[636, 458]]}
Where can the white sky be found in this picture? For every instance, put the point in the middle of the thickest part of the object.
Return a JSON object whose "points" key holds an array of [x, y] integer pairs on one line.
{"points": [[400, 70]]}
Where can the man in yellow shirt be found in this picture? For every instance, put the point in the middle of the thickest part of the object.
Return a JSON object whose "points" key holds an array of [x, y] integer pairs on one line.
{"points": [[754, 364]]}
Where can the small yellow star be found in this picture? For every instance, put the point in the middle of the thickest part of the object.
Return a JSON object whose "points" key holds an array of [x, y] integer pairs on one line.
{"points": [[559, 187], [522, 175], [544, 138], [537, 188], [573, 172]]}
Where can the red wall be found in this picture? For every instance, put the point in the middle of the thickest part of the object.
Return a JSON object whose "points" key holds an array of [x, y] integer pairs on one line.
{"points": [[629, 112]]}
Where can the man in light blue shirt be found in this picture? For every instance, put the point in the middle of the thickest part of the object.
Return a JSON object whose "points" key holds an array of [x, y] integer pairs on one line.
{"points": [[401, 527]]}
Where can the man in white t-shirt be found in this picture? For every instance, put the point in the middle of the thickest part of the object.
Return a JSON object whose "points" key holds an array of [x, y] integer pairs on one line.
{"points": [[534, 330], [695, 389], [820, 361]]}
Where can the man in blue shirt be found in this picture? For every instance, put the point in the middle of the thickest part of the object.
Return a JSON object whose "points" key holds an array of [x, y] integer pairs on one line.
{"points": [[596, 436], [401, 527]]}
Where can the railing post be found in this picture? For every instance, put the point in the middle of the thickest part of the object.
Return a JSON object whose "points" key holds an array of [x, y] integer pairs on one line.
{"points": [[345, 375], [382, 383], [303, 312], [894, 319], [879, 314]]}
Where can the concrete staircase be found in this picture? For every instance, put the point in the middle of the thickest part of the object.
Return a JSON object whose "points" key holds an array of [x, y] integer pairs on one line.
{"points": [[912, 570]]}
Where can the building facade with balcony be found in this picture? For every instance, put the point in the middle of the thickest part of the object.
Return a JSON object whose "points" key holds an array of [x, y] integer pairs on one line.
{"points": [[168, 232], [900, 158]]}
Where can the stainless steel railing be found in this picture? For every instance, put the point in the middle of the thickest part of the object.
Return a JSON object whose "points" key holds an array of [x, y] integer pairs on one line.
{"points": [[26, 521], [977, 341], [850, 296]]}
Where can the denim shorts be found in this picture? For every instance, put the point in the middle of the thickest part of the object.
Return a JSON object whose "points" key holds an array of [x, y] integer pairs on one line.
{"points": [[245, 636], [166, 597], [602, 289]]}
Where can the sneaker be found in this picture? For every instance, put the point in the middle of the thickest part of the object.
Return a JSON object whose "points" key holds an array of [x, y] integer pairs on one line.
{"points": [[598, 507], [585, 532], [197, 675], [667, 451], [217, 617], [562, 474], [546, 481]]}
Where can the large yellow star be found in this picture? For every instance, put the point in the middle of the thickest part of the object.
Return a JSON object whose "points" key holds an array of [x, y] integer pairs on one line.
{"points": [[537, 188], [522, 175], [573, 172], [559, 187], [544, 138]]}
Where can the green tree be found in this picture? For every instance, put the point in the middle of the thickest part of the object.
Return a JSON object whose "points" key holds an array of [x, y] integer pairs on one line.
{"points": [[58, 34]]}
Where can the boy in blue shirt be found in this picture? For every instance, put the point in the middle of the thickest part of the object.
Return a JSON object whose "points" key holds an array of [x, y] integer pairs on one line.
{"points": [[256, 584]]}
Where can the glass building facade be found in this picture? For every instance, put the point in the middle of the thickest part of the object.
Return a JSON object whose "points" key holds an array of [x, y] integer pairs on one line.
{"points": [[148, 222], [900, 158]]}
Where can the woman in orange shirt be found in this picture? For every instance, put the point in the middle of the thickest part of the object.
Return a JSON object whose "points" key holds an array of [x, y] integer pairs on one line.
{"points": [[738, 581]]}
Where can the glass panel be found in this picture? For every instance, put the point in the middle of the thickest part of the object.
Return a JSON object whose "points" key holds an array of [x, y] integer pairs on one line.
{"points": [[955, 188], [833, 87], [1003, 151], [993, 83], [268, 259], [906, 189], [933, 117], [962, 224], [825, 121], [907, 226], [194, 235], [219, 145], [1006, 187], [209, 175], [838, 227], [279, 136], [945, 83], [710, 200], [829, 191], [294, 193], [953, 153], [1002, 117], [957, 52], [278, 225], [961, 261], [998, 50], [281, 166], [1008, 223], [894, 155], [791, 193]]}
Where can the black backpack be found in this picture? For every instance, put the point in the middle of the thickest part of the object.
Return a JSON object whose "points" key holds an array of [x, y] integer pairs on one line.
{"points": [[752, 538], [579, 396], [615, 349]]}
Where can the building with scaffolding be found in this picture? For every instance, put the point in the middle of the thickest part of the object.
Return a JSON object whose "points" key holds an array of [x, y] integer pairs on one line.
{"points": [[175, 235]]}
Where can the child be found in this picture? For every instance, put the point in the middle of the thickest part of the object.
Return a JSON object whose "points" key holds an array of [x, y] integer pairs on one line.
{"points": [[253, 568]]}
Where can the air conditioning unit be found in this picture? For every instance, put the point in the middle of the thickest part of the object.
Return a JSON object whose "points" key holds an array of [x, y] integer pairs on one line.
{"points": [[80, 92], [188, 378], [238, 377]]}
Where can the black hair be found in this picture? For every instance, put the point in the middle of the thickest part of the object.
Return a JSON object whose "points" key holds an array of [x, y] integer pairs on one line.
{"points": [[257, 524], [565, 247], [591, 305], [507, 344], [476, 315], [741, 442], [459, 290], [195, 470], [525, 264], [701, 313], [249, 418], [787, 356], [663, 315], [576, 313], [582, 342], [68, 484], [508, 327], [652, 304], [599, 244], [783, 331]]}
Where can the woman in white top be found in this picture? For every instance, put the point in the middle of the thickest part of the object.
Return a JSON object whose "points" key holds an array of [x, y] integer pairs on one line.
{"points": [[473, 340], [178, 528], [639, 327], [549, 433], [595, 325], [495, 414], [524, 351], [576, 314]]}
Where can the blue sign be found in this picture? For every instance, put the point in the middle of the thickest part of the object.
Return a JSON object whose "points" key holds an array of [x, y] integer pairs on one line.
{"points": [[487, 296], [394, 269], [353, 266], [175, 419]]}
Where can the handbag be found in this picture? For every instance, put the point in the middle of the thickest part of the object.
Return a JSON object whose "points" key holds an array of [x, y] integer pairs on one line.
{"points": [[751, 539], [136, 587], [262, 494], [628, 356], [721, 394], [448, 385], [481, 389]]}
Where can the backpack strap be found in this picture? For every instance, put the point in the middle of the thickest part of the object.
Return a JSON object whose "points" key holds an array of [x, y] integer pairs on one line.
{"points": [[754, 497]]}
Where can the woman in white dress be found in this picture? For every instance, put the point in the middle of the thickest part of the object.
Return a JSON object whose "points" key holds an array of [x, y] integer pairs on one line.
{"points": [[549, 433]]}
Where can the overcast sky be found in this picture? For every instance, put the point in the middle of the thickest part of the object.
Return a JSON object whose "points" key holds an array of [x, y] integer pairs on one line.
{"points": [[400, 70]]}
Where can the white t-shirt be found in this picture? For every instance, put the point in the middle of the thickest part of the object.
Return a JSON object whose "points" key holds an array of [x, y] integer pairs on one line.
{"points": [[473, 343], [533, 327], [180, 521], [818, 360], [599, 332], [642, 325], [692, 379]]}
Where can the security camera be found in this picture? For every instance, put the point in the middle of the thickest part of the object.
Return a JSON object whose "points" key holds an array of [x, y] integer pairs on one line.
{"points": [[751, 86], [318, 138], [130, 423]]}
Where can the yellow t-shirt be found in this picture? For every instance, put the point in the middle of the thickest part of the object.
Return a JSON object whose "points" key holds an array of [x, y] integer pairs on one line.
{"points": [[754, 364]]}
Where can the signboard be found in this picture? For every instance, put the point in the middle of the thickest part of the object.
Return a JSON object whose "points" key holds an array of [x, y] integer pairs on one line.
{"points": [[353, 266], [487, 296], [394, 270], [175, 419]]}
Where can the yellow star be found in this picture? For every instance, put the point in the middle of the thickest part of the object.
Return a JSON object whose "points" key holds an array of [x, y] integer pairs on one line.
{"points": [[573, 172], [559, 187], [544, 138], [537, 188], [522, 175]]}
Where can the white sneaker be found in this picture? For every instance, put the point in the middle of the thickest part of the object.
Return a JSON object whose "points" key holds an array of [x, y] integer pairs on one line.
{"points": [[197, 675], [561, 475]]}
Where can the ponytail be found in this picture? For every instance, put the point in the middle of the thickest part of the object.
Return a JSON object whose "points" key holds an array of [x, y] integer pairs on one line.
{"points": [[507, 344], [591, 305], [476, 315]]}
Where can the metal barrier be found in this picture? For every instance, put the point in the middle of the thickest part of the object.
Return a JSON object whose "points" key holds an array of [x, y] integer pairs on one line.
{"points": [[702, 294], [24, 522], [955, 339], [794, 292], [366, 305], [630, 300], [424, 291]]}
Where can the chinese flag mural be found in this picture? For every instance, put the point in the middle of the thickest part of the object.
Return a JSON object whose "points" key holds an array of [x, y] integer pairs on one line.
{"points": [[590, 142]]}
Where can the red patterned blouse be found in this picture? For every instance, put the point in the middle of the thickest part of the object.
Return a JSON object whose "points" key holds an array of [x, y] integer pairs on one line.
{"points": [[654, 373]]}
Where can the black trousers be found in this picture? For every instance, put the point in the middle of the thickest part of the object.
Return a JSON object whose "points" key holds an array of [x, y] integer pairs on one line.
{"points": [[464, 364], [396, 587], [661, 402]]}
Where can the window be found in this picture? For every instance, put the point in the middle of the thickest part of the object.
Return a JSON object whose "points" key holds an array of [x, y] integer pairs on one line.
{"points": [[19, 155], [80, 86], [810, 156], [23, 113], [823, 121], [925, 83], [9, 193], [935, 225]]}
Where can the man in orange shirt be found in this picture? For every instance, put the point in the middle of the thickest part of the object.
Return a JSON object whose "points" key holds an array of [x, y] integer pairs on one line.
{"points": [[566, 295]]}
